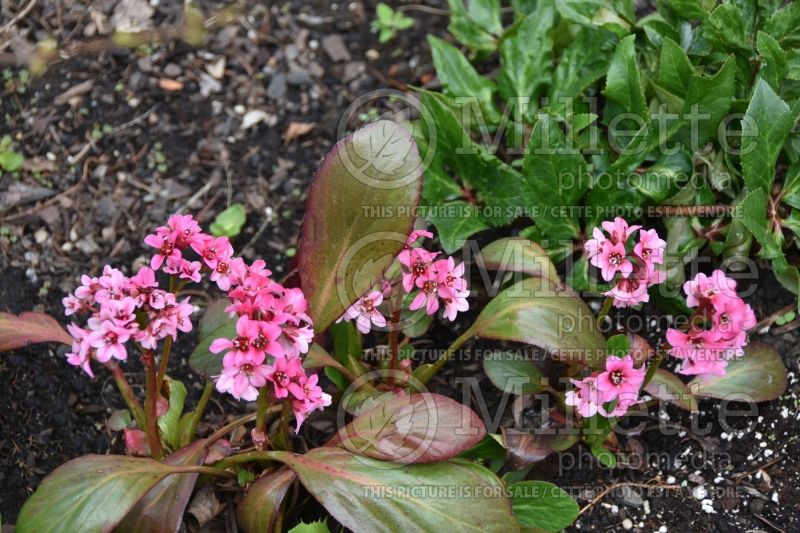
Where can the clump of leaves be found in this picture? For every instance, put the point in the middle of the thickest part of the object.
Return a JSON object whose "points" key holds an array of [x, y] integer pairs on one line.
{"points": [[595, 112], [389, 22]]}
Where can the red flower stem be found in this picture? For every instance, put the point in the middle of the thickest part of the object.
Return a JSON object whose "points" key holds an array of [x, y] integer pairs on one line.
{"points": [[162, 364], [151, 406], [394, 334], [127, 393], [200, 409]]}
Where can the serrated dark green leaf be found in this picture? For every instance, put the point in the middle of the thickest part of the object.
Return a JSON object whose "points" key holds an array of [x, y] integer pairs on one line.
{"points": [[624, 81]]}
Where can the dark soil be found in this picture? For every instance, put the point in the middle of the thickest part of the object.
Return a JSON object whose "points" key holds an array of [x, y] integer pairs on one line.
{"points": [[115, 158]]}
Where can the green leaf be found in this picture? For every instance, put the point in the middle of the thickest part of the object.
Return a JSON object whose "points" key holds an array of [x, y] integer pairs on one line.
{"points": [[512, 373], [365, 494], [582, 63], [754, 217], [343, 249], [726, 28], [783, 25], [215, 324], [229, 223], [347, 347], [90, 494], [676, 71], [558, 322], [624, 82], [526, 58], [618, 345], [317, 357], [460, 79], [452, 230], [603, 456], [168, 423], [486, 14], [161, 509], [411, 429], [384, 12], [555, 178], [666, 386], [516, 254], [707, 102], [320, 526], [119, 420], [467, 31], [11, 161], [688, 9], [772, 58], [543, 505], [758, 376], [262, 501]]}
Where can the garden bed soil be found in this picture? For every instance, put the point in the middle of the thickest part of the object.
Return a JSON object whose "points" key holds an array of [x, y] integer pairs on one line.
{"points": [[115, 142]]}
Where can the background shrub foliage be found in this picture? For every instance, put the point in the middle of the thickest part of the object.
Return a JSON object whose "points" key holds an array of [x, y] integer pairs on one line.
{"points": [[691, 105]]}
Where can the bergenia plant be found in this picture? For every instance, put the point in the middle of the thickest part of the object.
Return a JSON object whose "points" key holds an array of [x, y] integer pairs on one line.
{"points": [[294, 349]]}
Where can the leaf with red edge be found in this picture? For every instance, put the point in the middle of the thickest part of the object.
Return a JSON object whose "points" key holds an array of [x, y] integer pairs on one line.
{"points": [[346, 242], [262, 502], [417, 428], [91, 493], [30, 328], [365, 494], [516, 254], [758, 376], [666, 386], [161, 509]]}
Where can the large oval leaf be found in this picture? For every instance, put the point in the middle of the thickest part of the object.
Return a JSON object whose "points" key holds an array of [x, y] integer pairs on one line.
{"points": [[215, 324], [511, 373], [161, 509], [361, 206], [262, 502], [515, 254], [557, 321], [30, 328], [91, 493], [418, 428], [666, 386], [758, 376], [365, 494]]}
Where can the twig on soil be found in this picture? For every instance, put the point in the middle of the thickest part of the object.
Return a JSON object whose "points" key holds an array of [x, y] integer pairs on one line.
{"points": [[19, 16], [739, 477], [615, 486], [54, 199]]}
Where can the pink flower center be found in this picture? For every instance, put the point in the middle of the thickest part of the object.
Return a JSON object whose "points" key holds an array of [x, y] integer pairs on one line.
{"points": [[419, 267], [247, 369], [223, 268], [617, 377], [368, 306], [280, 378], [430, 287], [241, 343], [260, 342], [111, 338], [615, 259], [166, 248]]}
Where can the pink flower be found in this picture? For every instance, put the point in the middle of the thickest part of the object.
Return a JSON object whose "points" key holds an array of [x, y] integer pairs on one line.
{"points": [[365, 312], [455, 303], [703, 287], [313, 399], [242, 380], [695, 344], [584, 397], [226, 272], [81, 349], [184, 269], [703, 367], [265, 339], [619, 230], [650, 247], [164, 242], [109, 341], [629, 292], [620, 378], [288, 376], [296, 337], [211, 249], [451, 277], [595, 245], [405, 255], [428, 297], [612, 259], [240, 347], [417, 263], [183, 228]]}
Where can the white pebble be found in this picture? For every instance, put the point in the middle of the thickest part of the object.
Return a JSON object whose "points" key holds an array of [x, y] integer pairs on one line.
{"points": [[699, 492], [627, 524], [708, 506]]}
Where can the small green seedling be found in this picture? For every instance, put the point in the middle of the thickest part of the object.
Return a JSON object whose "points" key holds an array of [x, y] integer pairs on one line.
{"points": [[389, 22], [229, 223], [10, 161]]}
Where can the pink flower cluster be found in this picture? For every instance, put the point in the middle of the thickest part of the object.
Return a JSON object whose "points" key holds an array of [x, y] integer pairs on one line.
{"points": [[429, 282], [634, 267], [718, 328], [608, 393], [122, 309], [272, 320]]}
